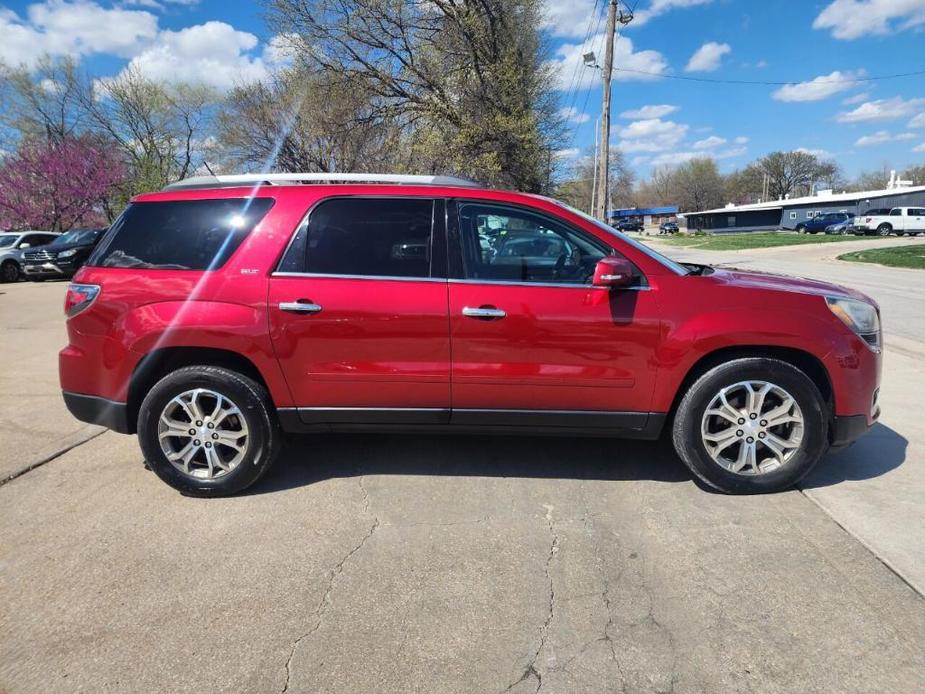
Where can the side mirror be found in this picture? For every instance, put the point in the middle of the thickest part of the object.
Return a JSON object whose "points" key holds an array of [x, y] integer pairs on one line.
{"points": [[613, 272], [25, 245]]}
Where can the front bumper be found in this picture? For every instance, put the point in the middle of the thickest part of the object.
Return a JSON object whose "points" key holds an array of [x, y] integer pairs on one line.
{"points": [[95, 410], [847, 430], [46, 269]]}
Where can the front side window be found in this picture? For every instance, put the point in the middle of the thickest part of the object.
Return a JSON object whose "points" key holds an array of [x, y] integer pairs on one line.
{"points": [[508, 244], [365, 237], [896, 213], [179, 235]]}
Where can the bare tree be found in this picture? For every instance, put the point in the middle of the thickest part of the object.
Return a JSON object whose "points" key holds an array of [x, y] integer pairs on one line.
{"points": [[297, 121], [466, 81], [577, 187]]}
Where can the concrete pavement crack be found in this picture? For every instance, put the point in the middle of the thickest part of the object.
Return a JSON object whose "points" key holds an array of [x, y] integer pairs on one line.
{"points": [[530, 670], [325, 601]]}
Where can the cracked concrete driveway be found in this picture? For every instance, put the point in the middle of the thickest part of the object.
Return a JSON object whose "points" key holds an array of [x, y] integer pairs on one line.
{"points": [[454, 564]]}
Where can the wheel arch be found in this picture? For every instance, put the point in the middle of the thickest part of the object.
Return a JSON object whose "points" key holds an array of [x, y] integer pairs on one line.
{"points": [[157, 364], [804, 361]]}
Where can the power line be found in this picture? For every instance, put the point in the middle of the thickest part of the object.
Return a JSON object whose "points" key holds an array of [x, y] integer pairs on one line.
{"points": [[770, 83], [572, 94]]}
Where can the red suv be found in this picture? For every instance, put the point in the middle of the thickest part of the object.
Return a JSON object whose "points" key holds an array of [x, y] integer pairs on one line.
{"points": [[220, 312]]}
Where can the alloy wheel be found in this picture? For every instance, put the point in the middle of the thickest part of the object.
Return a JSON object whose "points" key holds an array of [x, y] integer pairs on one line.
{"points": [[752, 427], [203, 433]]}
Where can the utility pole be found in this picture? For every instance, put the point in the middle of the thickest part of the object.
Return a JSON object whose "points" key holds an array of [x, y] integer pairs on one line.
{"points": [[614, 16]]}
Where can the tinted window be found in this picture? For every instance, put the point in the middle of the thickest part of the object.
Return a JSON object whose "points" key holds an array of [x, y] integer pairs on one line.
{"points": [[180, 235], [502, 243], [78, 236], [377, 237]]}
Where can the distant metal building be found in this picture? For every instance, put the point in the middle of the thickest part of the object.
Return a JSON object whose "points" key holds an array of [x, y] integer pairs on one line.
{"points": [[790, 213], [647, 215]]}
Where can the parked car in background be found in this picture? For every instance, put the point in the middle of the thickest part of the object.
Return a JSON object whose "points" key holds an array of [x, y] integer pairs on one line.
{"points": [[821, 222], [630, 225], [899, 221], [12, 246], [63, 257], [220, 312], [859, 227], [668, 228], [841, 228]]}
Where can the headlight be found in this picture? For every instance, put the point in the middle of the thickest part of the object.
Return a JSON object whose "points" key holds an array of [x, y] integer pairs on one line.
{"points": [[860, 316], [67, 254]]}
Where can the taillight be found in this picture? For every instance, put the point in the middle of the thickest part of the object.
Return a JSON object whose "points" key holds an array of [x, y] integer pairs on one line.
{"points": [[79, 297]]}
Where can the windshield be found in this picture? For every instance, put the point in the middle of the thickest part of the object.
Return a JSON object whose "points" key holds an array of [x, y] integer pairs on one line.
{"points": [[641, 247], [77, 236], [7, 241]]}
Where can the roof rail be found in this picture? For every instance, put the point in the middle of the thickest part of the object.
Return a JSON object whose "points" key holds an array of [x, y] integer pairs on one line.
{"points": [[276, 179]]}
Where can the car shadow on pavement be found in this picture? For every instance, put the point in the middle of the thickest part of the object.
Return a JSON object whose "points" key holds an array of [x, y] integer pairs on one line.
{"points": [[882, 449], [309, 459]]}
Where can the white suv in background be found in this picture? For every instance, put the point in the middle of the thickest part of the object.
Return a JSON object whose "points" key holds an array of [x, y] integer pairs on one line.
{"points": [[899, 221]]}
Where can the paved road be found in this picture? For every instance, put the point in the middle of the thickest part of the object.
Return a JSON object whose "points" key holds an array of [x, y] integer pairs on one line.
{"points": [[457, 564]]}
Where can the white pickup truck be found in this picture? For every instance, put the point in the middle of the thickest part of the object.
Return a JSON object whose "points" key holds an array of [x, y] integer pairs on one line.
{"points": [[899, 221]]}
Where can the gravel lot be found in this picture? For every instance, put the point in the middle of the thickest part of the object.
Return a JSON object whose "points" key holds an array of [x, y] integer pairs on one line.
{"points": [[457, 564]]}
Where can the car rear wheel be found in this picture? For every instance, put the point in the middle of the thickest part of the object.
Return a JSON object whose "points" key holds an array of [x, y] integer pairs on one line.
{"points": [[751, 426], [9, 271], [208, 431]]}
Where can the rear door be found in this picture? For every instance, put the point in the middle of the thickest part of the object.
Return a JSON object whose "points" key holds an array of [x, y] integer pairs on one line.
{"points": [[916, 220], [358, 312]]}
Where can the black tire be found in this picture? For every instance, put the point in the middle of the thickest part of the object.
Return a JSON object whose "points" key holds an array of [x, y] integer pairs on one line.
{"points": [[254, 403], [687, 425], [884, 230], [801, 229], [9, 271]]}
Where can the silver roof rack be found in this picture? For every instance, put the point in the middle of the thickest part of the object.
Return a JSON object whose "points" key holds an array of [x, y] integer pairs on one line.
{"points": [[278, 179]]}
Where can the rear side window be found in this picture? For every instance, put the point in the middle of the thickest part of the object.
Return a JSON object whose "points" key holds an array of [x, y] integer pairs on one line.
{"points": [[369, 237], [180, 235]]}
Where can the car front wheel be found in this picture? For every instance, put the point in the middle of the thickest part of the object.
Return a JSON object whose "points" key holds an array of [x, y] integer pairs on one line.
{"points": [[208, 431], [9, 271], [751, 426], [884, 230]]}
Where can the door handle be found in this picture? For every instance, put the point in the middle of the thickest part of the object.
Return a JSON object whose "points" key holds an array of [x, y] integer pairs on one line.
{"points": [[484, 313], [300, 307]]}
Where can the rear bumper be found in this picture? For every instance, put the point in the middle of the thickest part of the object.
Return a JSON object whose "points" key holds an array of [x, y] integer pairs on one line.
{"points": [[95, 410]]}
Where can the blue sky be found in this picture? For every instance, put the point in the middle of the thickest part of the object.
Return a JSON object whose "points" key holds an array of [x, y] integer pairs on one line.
{"points": [[819, 46]]}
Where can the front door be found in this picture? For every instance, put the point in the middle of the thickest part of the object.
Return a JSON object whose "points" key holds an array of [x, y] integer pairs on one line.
{"points": [[358, 312], [533, 341]]}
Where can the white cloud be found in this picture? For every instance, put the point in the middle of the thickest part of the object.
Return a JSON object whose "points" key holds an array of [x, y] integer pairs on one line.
{"points": [[573, 115], [568, 18], [917, 122], [79, 28], [852, 19], [652, 135], [569, 153], [882, 109], [856, 99], [674, 158], [660, 7], [920, 148], [647, 112], [711, 142], [214, 54], [819, 88], [708, 57], [741, 140], [649, 65], [878, 138], [820, 153]]}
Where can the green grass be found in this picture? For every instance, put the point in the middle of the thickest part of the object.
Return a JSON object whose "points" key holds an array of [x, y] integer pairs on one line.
{"points": [[893, 256], [734, 242]]}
